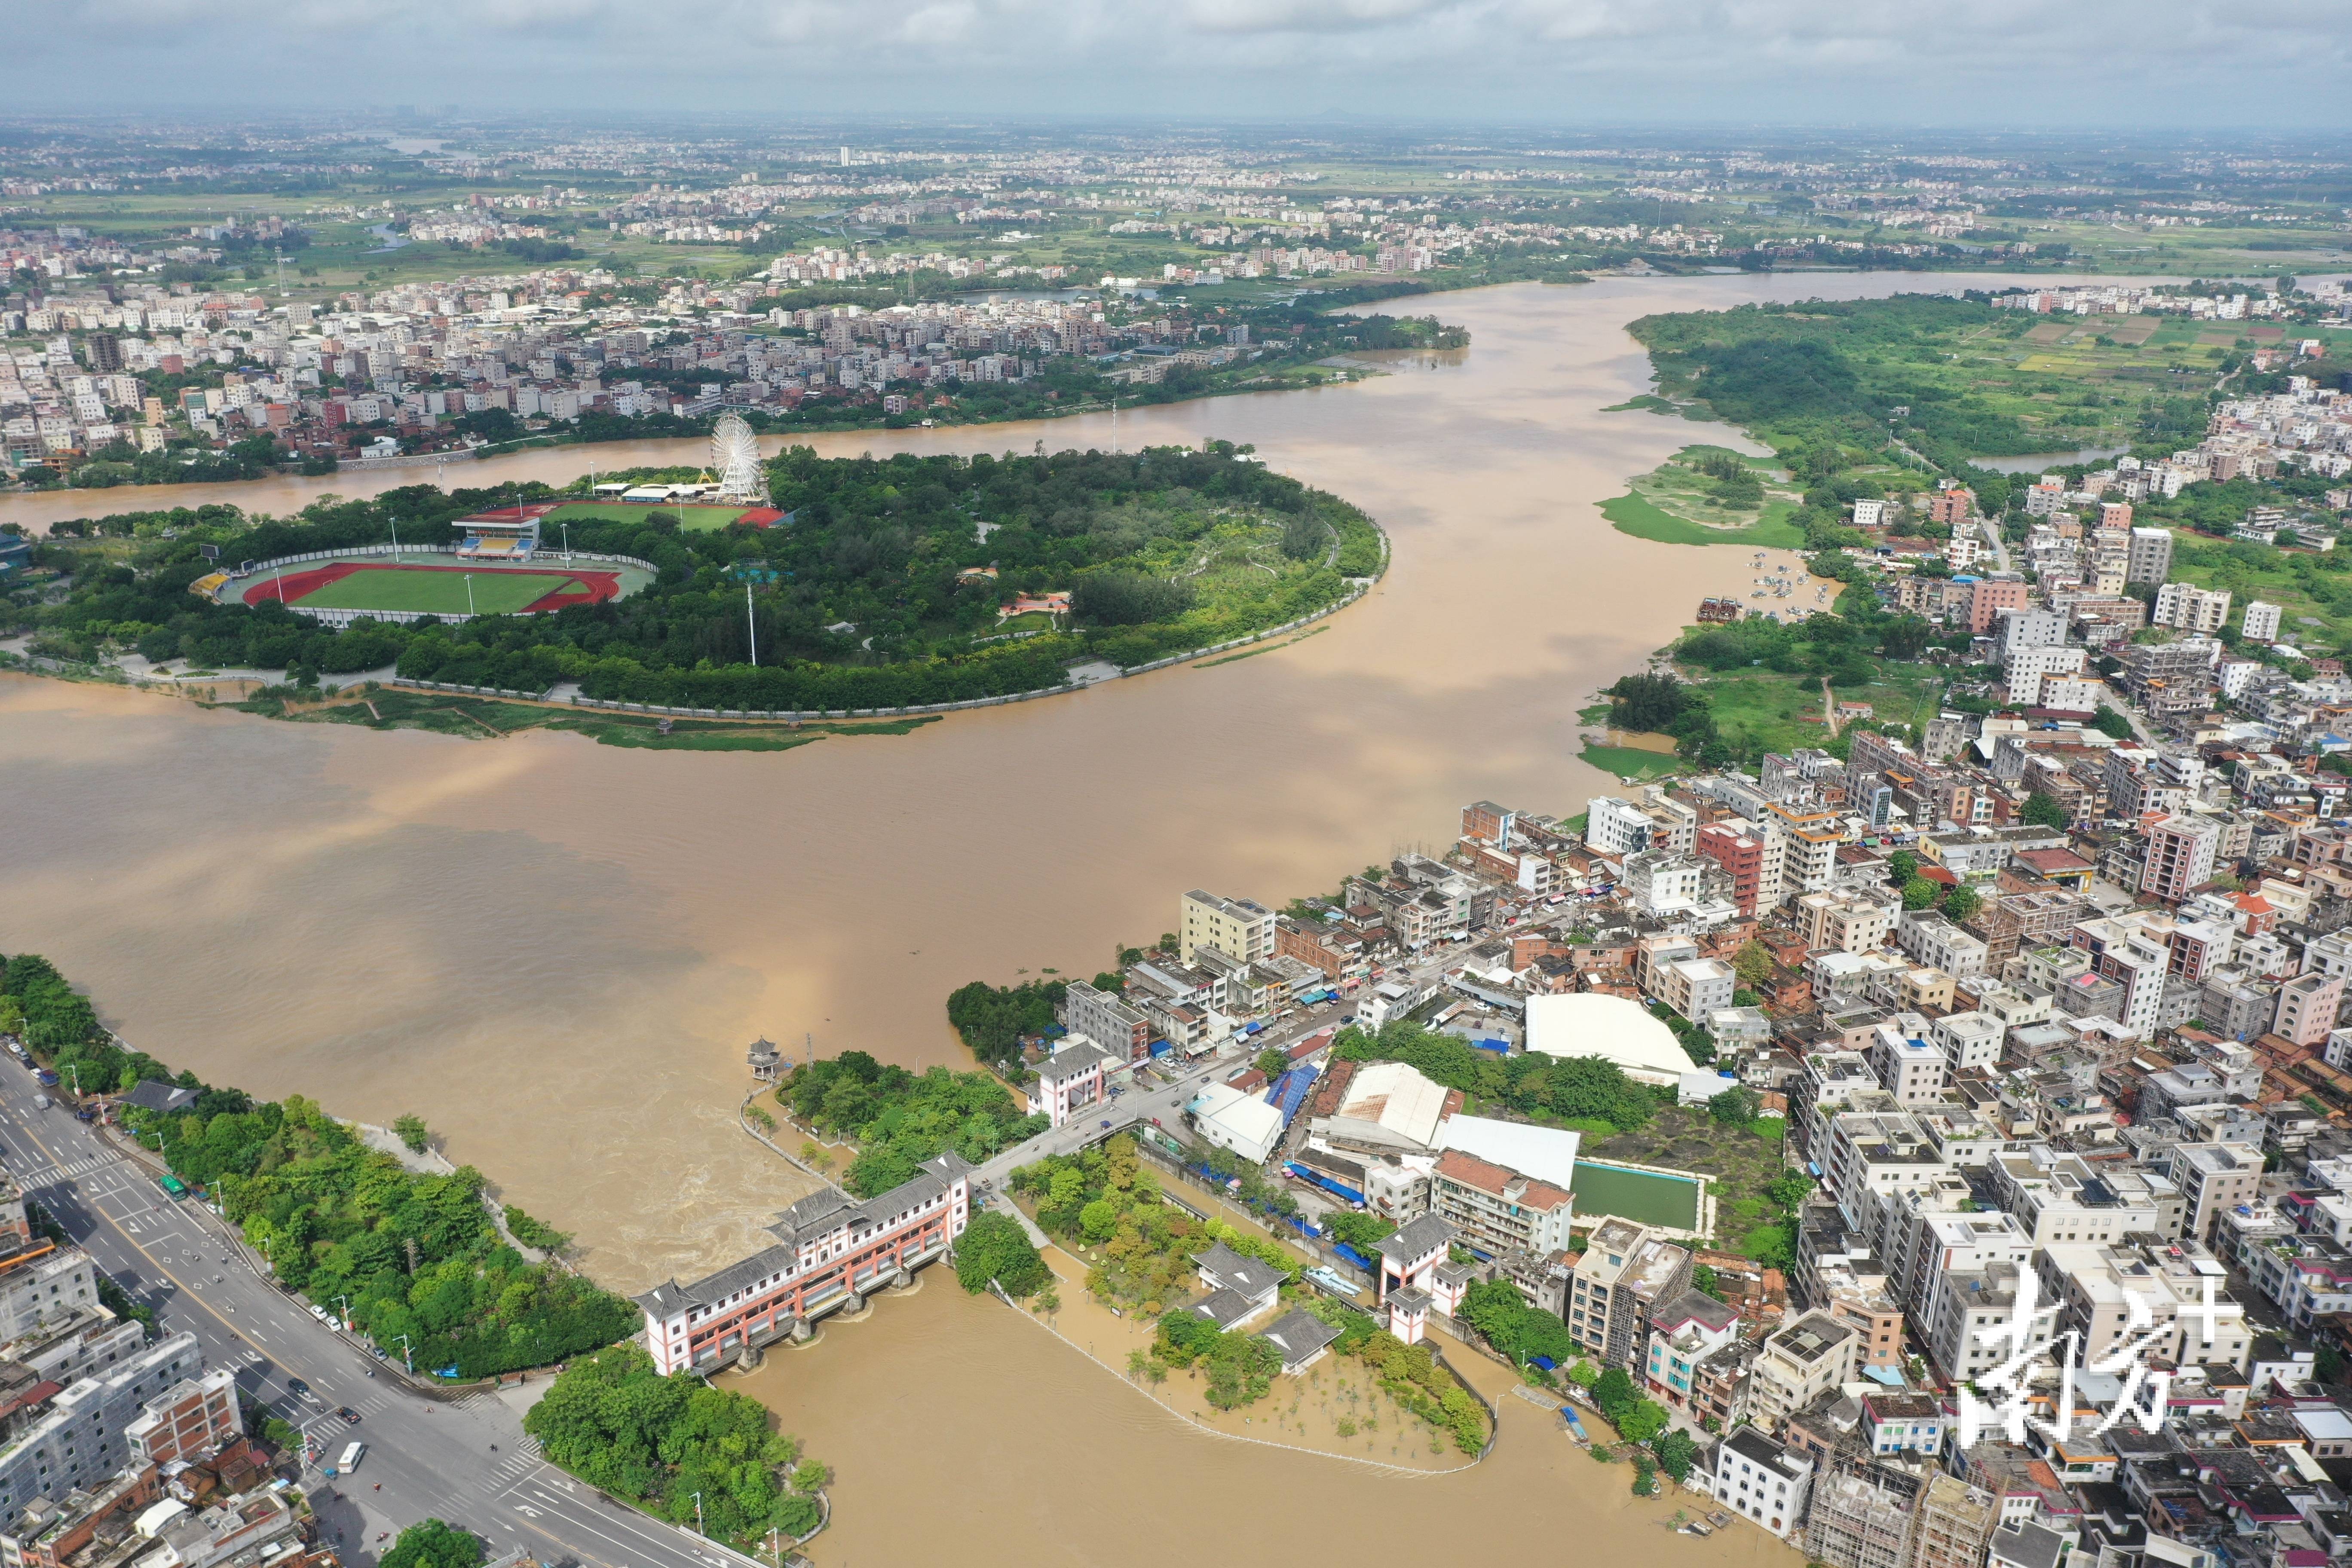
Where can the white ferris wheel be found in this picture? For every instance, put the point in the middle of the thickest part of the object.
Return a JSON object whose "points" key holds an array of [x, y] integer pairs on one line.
{"points": [[735, 457]]}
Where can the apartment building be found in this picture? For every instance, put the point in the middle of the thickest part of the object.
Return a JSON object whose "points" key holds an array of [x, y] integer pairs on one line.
{"points": [[1617, 828], [2148, 558], [1967, 1310], [1236, 926], [1627, 1270], [2182, 851], [1104, 1018], [1752, 858], [1971, 1041], [2189, 608], [1696, 988], [192, 1420], [1908, 1066], [2307, 1007], [82, 1437], [1812, 837], [2213, 1178], [1799, 1364], [1761, 1481], [2261, 622], [1848, 920], [1684, 1333], [1936, 942], [2115, 1295], [1499, 1210]]}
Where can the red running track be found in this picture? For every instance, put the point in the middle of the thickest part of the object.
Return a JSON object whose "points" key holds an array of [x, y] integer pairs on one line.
{"points": [[595, 587]]}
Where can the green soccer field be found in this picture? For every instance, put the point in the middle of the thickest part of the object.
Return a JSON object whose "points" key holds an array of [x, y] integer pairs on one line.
{"points": [[436, 593], [695, 519]]}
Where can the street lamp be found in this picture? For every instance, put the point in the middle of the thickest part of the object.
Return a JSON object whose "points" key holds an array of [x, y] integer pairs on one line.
{"points": [[697, 1515], [407, 1353], [345, 1302]]}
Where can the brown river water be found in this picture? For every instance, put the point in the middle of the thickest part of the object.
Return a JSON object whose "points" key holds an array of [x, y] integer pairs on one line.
{"points": [[555, 951]]}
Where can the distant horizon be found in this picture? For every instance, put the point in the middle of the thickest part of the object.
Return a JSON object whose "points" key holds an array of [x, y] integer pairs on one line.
{"points": [[2179, 67]]}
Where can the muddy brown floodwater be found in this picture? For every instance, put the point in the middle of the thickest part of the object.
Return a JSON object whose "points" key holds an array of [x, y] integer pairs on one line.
{"points": [[555, 951]]}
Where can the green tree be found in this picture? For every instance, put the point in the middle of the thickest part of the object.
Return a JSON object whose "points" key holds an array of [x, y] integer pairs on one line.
{"points": [[1961, 903], [994, 1246], [1272, 1062], [1098, 1220], [1901, 867], [412, 1132], [1676, 1451], [1735, 1106], [1640, 1422], [1918, 893], [1614, 1394], [434, 1544], [1752, 963], [2042, 810]]}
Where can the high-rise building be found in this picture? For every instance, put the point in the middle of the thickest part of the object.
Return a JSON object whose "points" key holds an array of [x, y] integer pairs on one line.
{"points": [[2150, 560], [2262, 622], [1236, 926], [2180, 853]]}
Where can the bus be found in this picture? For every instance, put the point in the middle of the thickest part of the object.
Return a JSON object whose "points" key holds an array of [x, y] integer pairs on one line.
{"points": [[173, 1186], [350, 1459]]}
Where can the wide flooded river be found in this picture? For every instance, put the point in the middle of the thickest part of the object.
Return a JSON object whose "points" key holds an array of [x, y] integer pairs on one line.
{"points": [[556, 952]]}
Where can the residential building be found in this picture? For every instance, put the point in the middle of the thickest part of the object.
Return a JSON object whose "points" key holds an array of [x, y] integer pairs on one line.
{"points": [[1069, 1081], [81, 1438], [2180, 855], [1684, 1333], [2307, 1006], [2262, 622], [1850, 919], [1499, 1210], [1236, 926], [1798, 1364], [1761, 1481], [2212, 1179], [2150, 556], [1104, 1018], [1861, 1516], [192, 1420], [1626, 1272], [2190, 608]]}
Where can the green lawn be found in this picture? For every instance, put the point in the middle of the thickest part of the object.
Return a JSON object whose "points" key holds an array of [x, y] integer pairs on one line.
{"points": [[1674, 504], [1632, 761], [697, 518], [439, 592]]}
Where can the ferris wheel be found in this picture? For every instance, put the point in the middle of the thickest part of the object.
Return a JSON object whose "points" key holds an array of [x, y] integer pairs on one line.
{"points": [[735, 457]]}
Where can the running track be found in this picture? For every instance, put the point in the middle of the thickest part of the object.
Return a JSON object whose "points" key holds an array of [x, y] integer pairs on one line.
{"points": [[595, 587]]}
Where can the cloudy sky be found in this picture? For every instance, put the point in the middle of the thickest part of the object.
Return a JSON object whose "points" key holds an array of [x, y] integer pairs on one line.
{"points": [[2152, 64]]}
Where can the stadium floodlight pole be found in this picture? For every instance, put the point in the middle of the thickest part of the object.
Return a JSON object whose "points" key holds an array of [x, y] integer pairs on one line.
{"points": [[395, 539], [751, 625], [567, 537], [469, 594]]}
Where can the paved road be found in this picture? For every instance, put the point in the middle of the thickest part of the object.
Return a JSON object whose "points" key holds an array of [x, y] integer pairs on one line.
{"points": [[468, 1462]]}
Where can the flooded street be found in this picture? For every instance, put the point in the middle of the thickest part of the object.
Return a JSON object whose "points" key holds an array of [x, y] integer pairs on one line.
{"points": [[556, 952]]}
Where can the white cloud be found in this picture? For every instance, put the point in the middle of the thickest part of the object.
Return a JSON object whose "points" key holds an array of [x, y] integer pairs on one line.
{"points": [[1987, 61]]}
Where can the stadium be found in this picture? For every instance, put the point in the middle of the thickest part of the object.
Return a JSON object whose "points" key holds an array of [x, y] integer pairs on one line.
{"points": [[499, 567]]}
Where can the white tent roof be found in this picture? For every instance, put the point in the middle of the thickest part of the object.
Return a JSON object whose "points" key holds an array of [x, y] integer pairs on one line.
{"points": [[1547, 1153], [1614, 1028], [1398, 1098]]}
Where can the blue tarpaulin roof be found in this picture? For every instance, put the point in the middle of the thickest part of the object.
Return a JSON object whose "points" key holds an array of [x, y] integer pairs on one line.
{"points": [[1308, 1173], [1289, 1092], [1356, 1257]]}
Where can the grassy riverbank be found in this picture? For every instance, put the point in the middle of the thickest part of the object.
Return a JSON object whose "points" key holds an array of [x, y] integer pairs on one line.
{"points": [[490, 718]]}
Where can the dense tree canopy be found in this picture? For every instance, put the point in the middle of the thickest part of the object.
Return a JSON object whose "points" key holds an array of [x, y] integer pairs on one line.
{"points": [[866, 595], [1569, 1087], [617, 1424], [900, 1119]]}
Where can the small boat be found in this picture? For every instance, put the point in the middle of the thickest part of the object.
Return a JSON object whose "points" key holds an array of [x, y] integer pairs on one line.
{"points": [[1718, 1518], [1695, 1528]]}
